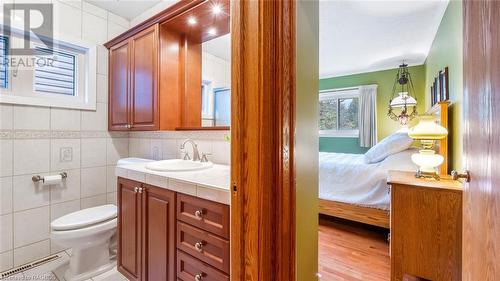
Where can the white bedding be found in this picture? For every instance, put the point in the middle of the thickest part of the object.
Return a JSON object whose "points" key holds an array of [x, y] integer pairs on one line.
{"points": [[347, 178]]}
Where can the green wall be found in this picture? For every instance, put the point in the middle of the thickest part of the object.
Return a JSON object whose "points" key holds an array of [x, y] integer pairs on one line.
{"points": [[385, 81], [446, 51], [341, 145]]}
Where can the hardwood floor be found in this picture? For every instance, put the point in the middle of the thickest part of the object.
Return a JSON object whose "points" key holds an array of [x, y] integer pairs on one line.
{"points": [[350, 251]]}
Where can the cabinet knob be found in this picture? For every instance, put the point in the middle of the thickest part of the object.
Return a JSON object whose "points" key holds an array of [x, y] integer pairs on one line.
{"points": [[136, 189], [199, 214], [141, 190], [198, 277], [199, 246]]}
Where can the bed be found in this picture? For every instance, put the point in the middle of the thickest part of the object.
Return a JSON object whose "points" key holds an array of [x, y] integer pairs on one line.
{"points": [[353, 190]]}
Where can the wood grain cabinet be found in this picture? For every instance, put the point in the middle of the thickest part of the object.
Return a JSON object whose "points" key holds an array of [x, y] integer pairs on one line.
{"points": [[203, 251], [146, 231], [133, 82], [168, 236], [426, 228]]}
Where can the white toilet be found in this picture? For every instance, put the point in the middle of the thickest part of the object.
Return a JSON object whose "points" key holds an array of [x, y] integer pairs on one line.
{"points": [[88, 232]]}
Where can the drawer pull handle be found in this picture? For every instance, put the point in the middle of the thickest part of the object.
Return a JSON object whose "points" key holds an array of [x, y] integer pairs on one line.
{"points": [[198, 277], [199, 246], [199, 214]]}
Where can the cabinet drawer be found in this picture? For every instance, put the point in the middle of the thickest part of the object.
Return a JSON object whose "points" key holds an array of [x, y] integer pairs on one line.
{"points": [[204, 246], [207, 215], [188, 268]]}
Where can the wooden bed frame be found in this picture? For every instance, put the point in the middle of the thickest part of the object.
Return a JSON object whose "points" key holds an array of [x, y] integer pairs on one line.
{"points": [[378, 217]]}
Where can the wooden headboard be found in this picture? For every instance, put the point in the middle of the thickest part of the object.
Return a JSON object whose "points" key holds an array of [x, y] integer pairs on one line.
{"points": [[440, 110]]}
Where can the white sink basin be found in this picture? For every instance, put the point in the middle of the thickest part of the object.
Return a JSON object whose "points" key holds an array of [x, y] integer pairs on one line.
{"points": [[178, 165]]}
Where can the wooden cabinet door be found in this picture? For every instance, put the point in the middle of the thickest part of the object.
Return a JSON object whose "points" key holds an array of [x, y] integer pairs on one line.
{"points": [[129, 229], [119, 87], [159, 233], [144, 71]]}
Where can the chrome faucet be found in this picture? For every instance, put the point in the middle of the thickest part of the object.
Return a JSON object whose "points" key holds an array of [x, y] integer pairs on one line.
{"points": [[196, 153]]}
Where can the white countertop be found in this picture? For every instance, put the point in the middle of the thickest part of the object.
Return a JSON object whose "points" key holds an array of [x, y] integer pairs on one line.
{"points": [[212, 184]]}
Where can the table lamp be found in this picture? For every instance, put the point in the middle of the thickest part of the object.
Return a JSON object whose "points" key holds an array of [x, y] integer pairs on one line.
{"points": [[427, 131]]}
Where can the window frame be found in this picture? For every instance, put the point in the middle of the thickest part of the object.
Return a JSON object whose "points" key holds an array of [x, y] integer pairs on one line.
{"points": [[86, 96], [338, 94]]}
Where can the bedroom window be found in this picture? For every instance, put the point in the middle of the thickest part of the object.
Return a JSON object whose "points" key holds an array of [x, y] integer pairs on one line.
{"points": [[338, 113]]}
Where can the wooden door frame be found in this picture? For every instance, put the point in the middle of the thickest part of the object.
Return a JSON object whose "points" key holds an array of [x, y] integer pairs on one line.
{"points": [[262, 132]]}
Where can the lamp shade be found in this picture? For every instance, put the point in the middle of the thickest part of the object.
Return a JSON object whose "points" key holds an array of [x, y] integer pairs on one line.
{"points": [[402, 100], [428, 129]]}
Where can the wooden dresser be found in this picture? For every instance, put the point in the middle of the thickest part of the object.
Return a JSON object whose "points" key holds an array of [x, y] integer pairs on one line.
{"points": [[426, 228]]}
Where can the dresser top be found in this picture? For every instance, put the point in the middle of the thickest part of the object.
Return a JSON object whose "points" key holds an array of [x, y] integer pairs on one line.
{"points": [[408, 178]]}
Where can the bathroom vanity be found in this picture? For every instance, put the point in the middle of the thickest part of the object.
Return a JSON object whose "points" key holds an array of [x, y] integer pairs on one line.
{"points": [[173, 225]]}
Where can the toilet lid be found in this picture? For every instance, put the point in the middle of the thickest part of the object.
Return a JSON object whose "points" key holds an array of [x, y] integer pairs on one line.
{"points": [[85, 217]]}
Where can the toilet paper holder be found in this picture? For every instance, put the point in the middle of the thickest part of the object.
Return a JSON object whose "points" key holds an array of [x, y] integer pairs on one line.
{"points": [[39, 178]]}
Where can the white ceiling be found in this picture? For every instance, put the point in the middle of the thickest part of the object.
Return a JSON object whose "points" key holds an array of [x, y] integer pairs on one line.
{"points": [[128, 9], [219, 47], [355, 35], [368, 35]]}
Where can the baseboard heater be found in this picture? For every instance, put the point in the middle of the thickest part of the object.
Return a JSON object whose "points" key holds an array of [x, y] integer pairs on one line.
{"points": [[28, 266]]}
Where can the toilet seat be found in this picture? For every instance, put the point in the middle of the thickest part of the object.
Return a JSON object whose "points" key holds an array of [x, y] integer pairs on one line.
{"points": [[84, 232], [85, 218]]}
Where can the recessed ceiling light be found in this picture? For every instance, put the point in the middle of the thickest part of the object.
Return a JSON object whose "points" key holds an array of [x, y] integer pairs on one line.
{"points": [[212, 31], [192, 21], [216, 9]]}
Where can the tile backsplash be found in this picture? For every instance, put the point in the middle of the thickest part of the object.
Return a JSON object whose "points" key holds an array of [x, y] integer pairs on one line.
{"points": [[167, 145]]}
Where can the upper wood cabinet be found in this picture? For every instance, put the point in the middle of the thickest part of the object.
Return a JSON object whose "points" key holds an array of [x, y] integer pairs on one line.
{"points": [[152, 83], [133, 83], [155, 68], [119, 73], [144, 80]]}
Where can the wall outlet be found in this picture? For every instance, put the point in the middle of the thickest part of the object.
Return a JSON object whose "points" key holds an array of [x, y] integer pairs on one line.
{"points": [[155, 151], [65, 154]]}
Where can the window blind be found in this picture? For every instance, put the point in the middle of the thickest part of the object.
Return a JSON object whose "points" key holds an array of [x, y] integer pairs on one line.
{"points": [[55, 72], [4, 47]]}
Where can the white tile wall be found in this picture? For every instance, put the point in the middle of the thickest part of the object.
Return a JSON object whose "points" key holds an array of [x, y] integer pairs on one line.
{"points": [[31, 156], [6, 233], [5, 195], [93, 152], [93, 181], [65, 119], [31, 118], [29, 195], [166, 145], [6, 117], [95, 29], [43, 141], [31, 252], [31, 226]]}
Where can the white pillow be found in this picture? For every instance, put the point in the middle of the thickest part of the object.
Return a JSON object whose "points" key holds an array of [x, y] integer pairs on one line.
{"points": [[392, 144]]}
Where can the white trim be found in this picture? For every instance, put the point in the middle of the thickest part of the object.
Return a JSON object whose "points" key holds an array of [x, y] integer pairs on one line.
{"points": [[339, 133]]}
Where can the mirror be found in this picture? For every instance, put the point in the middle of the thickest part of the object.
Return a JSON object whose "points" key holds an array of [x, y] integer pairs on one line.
{"points": [[196, 60], [216, 82]]}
